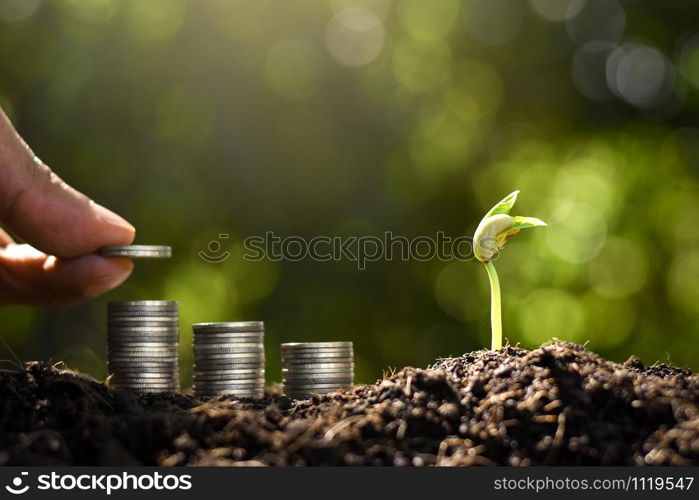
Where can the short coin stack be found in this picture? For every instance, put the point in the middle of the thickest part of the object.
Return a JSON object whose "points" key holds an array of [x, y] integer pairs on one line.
{"points": [[317, 368], [229, 358], [142, 345]]}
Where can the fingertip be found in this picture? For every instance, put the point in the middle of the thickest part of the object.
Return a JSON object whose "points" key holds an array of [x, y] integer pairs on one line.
{"points": [[118, 231]]}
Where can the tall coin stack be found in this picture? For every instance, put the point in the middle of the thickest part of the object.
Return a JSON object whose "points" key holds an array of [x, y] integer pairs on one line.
{"points": [[317, 368], [142, 345], [229, 358]]}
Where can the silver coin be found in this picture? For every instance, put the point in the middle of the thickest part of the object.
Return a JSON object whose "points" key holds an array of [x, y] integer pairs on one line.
{"points": [[214, 386], [316, 350], [229, 367], [329, 378], [119, 309], [242, 371], [313, 350], [260, 375], [326, 363], [163, 317], [231, 326], [137, 251], [258, 380], [144, 379], [142, 343], [228, 380], [304, 382], [150, 340], [237, 394], [122, 329], [311, 371], [231, 355], [232, 369], [124, 361], [118, 342], [220, 338], [132, 379], [159, 381], [229, 360], [312, 345], [164, 337], [151, 336], [148, 389], [143, 349], [126, 319], [227, 342], [164, 341], [143, 303], [149, 332], [169, 369], [131, 357], [322, 387], [133, 360], [143, 383], [303, 362], [318, 355], [136, 369], [317, 359], [227, 350], [329, 365], [144, 322], [141, 362], [229, 387]]}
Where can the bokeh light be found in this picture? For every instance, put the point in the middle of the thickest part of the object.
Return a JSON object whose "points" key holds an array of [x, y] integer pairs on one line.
{"points": [[355, 36], [355, 117]]}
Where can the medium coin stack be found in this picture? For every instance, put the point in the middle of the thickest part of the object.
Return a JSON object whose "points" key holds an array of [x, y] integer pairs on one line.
{"points": [[142, 345], [229, 358], [317, 368]]}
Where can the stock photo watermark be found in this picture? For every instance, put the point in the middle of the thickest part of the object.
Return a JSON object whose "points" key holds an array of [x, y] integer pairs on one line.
{"points": [[361, 250]]}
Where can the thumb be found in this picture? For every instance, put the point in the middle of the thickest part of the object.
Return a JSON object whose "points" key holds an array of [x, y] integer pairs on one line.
{"points": [[44, 211]]}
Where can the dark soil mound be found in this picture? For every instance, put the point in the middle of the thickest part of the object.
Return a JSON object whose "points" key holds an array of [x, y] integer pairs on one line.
{"points": [[559, 404]]}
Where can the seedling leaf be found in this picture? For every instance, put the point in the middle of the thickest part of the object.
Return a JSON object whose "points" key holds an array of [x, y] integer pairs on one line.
{"points": [[503, 206]]}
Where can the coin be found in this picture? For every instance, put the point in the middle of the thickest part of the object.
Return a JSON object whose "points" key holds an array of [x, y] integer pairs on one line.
{"points": [[125, 304], [319, 382], [144, 321], [237, 394], [230, 326], [313, 345], [228, 350], [137, 251], [305, 362], [311, 371], [231, 355], [198, 340]]}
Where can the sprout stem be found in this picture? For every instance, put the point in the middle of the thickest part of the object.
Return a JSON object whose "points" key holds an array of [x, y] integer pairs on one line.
{"points": [[495, 307]]}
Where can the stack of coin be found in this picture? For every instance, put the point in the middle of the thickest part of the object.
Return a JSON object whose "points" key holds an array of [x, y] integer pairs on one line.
{"points": [[316, 368], [142, 345], [229, 358]]}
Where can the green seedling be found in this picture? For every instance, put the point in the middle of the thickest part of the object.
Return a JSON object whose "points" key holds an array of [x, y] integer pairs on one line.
{"points": [[496, 228]]}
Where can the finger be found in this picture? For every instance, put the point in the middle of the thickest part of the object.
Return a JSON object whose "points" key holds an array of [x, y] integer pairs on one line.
{"points": [[47, 213], [5, 239], [28, 276]]}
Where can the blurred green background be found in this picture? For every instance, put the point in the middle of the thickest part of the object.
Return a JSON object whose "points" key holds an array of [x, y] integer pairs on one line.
{"points": [[356, 117]]}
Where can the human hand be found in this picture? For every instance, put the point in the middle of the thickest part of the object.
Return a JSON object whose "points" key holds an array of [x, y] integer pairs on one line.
{"points": [[63, 227]]}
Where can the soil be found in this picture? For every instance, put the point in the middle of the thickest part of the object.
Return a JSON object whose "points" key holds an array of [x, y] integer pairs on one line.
{"points": [[560, 404]]}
